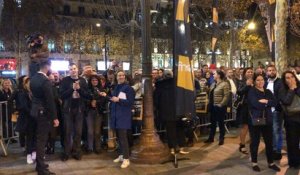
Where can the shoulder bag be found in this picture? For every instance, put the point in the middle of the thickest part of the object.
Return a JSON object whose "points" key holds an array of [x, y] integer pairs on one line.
{"points": [[294, 107], [258, 121]]}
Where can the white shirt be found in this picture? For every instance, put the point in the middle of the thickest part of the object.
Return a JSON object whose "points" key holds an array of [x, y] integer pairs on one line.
{"points": [[270, 86], [42, 73], [232, 85], [298, 76]]}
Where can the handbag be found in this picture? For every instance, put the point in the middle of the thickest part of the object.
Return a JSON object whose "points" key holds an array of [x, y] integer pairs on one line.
{"points": [[294, 107], [258, 121], [238, 102]]}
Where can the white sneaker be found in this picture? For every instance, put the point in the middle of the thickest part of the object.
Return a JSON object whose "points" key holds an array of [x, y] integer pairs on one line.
{"points": [[29, 159], [125, 163], [119, 159], [182, 151], [33, 156], [172, 150]]}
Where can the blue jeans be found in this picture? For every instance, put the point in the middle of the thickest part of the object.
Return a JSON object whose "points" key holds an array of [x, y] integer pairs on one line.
{"points": [[277, 131]]}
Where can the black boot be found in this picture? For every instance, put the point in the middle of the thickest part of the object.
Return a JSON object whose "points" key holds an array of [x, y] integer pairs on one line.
{"points": [[274, 167], [221, 142], [45, 172], [209, 140], [242, 149]]}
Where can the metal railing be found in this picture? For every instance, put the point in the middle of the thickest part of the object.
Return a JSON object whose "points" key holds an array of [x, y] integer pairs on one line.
{"points": [[7, 123]]}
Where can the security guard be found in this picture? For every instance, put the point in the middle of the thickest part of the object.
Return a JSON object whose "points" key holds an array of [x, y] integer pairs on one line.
{"points": [[44, 112]]}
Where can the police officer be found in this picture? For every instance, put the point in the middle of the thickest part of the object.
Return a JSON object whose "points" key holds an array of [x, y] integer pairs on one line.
{"points": [[44, 111]]}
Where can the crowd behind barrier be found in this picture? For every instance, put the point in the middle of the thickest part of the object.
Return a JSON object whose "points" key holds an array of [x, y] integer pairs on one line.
{"points": [[203, 117]]}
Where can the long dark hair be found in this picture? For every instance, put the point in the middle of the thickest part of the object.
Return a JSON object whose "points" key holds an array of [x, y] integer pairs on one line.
{"points": [[90, 82], [221, 74], [255, 76], [20, 82], [245, 70], [284, 80]]}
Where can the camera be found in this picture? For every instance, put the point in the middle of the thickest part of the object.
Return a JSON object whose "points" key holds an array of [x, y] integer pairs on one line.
{"points": [[34, 41]]}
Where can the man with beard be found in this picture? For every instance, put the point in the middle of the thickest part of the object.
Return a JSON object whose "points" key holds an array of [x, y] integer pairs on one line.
{"points": [[44, 112], [274, 84]]}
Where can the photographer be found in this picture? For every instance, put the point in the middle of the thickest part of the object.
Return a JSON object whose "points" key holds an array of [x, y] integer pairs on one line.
{"points": [[38, 51]]}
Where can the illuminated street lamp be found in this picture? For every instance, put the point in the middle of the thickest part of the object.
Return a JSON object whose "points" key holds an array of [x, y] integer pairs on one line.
{"points": [[251, 26], [105, 46]]}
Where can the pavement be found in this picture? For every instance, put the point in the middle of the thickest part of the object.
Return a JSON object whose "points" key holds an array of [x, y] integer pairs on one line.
{"points": [[204, 159]]}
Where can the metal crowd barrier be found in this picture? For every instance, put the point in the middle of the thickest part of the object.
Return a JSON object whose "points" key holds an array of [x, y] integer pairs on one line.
{"points": [[7, 126], [202, 113], [137, 118], [201, 104]]}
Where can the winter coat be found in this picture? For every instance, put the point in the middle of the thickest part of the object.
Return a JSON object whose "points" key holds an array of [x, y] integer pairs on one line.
{"points": [[286, 97], [257, 109], [164, 102], [23, 106], [221, 93], [120, 112]]}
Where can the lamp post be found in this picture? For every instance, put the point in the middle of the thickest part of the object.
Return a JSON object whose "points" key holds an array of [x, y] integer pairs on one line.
{"points": [[105, 50], [105, 46], [150, 149]]}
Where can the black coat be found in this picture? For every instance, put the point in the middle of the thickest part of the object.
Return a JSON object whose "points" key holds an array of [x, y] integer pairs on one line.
{"points": [[277, 86], [286, 98], [257, 109], [9, 97], [66, 92], [164, 99], [23, 106], [42, 96]]}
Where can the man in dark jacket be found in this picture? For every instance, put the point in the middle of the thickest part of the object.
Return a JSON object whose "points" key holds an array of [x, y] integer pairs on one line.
{"points": [[274, 84], [73, 92], [44, 111]]}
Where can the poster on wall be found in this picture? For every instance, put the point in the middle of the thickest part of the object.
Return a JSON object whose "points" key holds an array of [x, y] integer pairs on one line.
{"points": [[8, 64]]}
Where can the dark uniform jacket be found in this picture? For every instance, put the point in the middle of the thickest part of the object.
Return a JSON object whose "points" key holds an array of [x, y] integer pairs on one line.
{"points": [[42, 97]]}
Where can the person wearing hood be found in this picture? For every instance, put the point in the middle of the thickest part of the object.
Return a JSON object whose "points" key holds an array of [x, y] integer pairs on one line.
{"points": [[164, 102]]}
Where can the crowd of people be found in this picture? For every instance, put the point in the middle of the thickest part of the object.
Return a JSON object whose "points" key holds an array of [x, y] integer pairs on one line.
{"points": [[75, 108]]}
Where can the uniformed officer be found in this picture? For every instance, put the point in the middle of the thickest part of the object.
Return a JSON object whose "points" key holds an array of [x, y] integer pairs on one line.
{"points": [[44, 112]]}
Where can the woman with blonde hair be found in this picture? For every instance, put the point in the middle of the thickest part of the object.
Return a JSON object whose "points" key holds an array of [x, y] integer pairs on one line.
{"points": [[6, 94]]}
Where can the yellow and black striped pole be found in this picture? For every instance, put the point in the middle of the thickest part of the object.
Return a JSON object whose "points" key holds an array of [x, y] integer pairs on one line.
{"points": [[183, 67]]}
